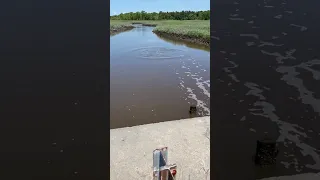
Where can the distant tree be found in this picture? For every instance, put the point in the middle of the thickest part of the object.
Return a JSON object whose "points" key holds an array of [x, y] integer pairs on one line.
{"points": [[183, 15], [191, 16]]}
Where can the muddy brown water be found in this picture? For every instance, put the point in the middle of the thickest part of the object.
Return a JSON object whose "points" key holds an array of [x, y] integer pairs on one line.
{"points": [[154, 79], [266, 83]]}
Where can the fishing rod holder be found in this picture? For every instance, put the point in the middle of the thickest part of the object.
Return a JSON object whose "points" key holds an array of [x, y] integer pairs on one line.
{"points": [[162, 170]]}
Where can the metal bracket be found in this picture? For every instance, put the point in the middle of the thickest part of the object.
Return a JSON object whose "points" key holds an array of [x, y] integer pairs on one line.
{"points": [[162, 170]]}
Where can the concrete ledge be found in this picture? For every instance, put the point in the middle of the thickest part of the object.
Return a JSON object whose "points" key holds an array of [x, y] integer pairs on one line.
{"points": [[188, 142], [306, 176]]}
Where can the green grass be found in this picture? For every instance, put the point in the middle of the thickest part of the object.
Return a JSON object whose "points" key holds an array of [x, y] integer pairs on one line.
{"points": [[192, 29], [196, 29], [118, 24]]}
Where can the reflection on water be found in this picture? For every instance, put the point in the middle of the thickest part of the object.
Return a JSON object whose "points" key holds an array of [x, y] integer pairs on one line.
{"points": [[153, 80], [157, 53]]}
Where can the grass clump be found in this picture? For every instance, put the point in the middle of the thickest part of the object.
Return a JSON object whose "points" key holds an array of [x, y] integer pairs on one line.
{"points": [[119, 26], [193, 30]]}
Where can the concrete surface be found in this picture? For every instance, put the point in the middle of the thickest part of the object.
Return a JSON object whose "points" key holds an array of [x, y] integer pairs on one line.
{"points": [[188, 142], [306, 176]]}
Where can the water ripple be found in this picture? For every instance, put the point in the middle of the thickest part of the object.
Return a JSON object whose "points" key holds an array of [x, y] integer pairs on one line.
{"points": [[157, 53]]}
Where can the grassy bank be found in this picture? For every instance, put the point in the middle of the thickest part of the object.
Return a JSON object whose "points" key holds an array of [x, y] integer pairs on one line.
{"points": [[119, 26], [197, 31]]}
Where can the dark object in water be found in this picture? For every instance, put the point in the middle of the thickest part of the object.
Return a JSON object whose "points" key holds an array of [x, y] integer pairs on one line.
{"points": [[193, 109], [266, 152]]}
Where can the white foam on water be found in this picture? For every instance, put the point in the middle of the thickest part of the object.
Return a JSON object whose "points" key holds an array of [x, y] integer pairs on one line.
{"points": [[254, 90], [263, 43], [200, 83], [214, 37], [286, 164], [182, 84], [250, 43], [306, 176], [236, 19], [233, 77], [302, 28], [227, 69], [203, 85], [288, 132], [280, 57], [234, 64], [290, 77], [207, 82], [256, 36], [252, 130], [200, 103]]}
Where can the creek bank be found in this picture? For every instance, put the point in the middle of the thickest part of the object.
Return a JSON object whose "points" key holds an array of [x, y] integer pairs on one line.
{"points": [[119, 29], [145, 24], [195, 40], [177, 36]]}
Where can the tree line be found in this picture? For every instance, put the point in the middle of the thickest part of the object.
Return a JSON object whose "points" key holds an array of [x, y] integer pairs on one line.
{"points": [[183, 15]]}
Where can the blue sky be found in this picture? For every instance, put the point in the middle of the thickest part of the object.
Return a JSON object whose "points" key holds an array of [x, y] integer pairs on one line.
{"points": [[125, 6]]}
